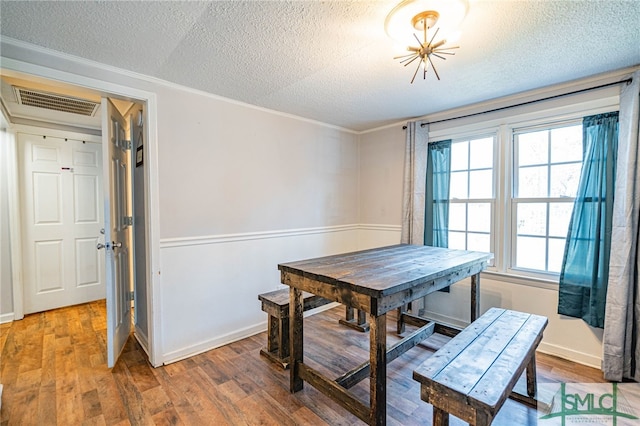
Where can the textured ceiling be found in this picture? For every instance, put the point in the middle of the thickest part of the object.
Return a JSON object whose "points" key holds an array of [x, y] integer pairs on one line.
{"points": [[331, 61]]}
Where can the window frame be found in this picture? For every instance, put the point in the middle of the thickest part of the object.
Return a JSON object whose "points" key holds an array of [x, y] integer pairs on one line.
{"points": [[491, 201], [503, 125], [515, 200]]}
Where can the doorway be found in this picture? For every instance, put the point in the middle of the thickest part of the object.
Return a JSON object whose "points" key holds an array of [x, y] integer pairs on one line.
{"points": [[143, 332]]}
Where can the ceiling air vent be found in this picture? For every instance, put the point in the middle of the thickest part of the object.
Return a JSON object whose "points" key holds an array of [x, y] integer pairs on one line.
{"points": [[55, 102]]}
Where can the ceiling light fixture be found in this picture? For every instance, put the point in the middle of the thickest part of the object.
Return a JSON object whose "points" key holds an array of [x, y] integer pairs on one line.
{"points": [[423, 15]]}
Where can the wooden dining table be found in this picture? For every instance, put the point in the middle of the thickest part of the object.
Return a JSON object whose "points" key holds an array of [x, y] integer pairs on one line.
{"points": [[375, 281]]}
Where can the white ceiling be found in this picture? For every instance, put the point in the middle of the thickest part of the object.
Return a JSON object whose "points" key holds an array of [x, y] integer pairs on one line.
{"points": [[331, 61]]}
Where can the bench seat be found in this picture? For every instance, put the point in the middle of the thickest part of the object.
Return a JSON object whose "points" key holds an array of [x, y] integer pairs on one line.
{"points": [[472, 375]]}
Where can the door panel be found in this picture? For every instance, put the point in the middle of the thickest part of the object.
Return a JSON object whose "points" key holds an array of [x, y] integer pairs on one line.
{"points": [[61, 204], [117, 230], [49, 266]]}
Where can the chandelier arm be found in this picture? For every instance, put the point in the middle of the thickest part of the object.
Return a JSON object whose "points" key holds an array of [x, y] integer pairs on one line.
{"points": [[434, 36], [405, 56], [439, 52], [419, 42], [413, 59], [409, 59], [416, 72], [434, 67], [441, 57]]}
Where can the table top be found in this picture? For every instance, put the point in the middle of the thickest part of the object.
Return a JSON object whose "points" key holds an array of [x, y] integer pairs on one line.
{"points": [[386, 270]]}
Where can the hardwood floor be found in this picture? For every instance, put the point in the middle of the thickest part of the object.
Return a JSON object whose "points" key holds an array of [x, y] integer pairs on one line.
{"points": [[53, 368]]}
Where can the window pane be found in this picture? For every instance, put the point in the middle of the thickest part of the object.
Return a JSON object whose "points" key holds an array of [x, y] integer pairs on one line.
{"points": [[460, 156], [556, 253], [479, 217], [458, 186], [559, 217], [481, 155], [566, 144], [531, 253], [532, 219], [457, 240], [565, 179], [478, 242], [533, 148], [457, 216], [532, 182], [481, 184]]}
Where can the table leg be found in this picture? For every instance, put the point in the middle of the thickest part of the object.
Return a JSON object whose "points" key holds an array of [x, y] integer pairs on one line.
{"points": [[378, 369], [475, 296], [295, 338], [440, 417]]}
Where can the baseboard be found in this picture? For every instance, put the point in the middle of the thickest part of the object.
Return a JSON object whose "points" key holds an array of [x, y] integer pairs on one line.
{"points": [[6, 317], [571, 355], [207, 345], [210, 344], [457, 322]]}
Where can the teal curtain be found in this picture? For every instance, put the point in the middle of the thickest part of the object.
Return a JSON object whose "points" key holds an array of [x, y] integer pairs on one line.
{"points": [[436, 209], [436, 226], [585, 267]]}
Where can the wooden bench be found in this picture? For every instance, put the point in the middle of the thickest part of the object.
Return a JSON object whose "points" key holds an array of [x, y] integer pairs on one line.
{"points": [[472, 375], [276, 305]]}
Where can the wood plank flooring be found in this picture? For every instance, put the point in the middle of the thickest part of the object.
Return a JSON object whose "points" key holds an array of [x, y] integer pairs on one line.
{"points": [[53, 368]]}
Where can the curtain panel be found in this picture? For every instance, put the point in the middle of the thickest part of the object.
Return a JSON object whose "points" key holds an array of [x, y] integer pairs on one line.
{"points": [[415, 170], [622, 313], [585, 267], [436, 227]]}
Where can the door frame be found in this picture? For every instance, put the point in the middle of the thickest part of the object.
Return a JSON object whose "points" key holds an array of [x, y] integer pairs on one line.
{"points": [[13, 67]]}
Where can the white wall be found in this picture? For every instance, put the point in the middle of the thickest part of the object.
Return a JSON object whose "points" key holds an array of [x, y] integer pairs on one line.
{"points": [[242, 189]]}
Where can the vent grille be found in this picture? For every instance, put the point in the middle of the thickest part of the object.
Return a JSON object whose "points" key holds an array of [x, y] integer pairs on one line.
{"points": [[55, 102]]}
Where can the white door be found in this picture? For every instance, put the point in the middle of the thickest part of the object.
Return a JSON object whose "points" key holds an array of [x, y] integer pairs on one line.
{"points": [[61, 201], [117, 227]]}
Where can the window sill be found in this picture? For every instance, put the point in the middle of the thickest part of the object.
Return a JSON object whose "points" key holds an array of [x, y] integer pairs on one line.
{"points": [[547, 284]]}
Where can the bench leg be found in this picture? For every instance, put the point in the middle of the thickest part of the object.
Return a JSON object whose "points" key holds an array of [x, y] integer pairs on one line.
{"points": [[283, 339], [440, 417], [277, 341], [273, 334], [531, 376], [529, 399], [360, 324]]}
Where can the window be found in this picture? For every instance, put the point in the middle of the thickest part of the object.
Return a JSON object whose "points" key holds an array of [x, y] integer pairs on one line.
{"points": [[512, 191], [546, 173], [471, 194]]}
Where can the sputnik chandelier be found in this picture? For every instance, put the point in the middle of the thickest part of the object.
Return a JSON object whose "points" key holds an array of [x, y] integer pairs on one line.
{"points": [[423, 15], [427, 49]]}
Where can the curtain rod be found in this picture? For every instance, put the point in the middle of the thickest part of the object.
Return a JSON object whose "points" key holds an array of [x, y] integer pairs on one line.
{"points": [[575, 92]]}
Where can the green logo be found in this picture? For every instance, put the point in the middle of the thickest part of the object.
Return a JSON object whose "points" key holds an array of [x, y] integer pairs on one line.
{"points": [[578, 406]]}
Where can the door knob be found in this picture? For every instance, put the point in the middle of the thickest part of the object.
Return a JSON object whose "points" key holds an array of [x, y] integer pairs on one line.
{"points": [[100, 246], [116, 245]]}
